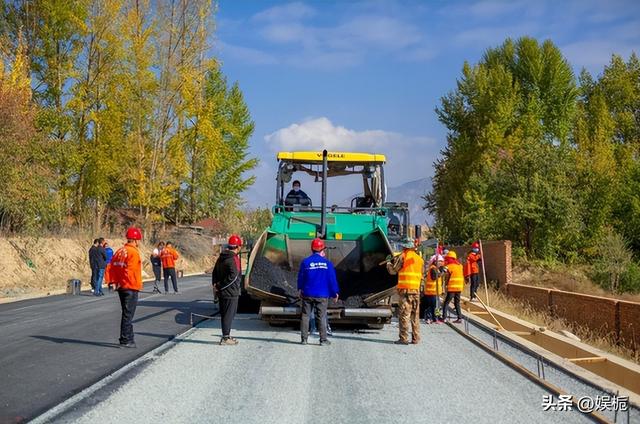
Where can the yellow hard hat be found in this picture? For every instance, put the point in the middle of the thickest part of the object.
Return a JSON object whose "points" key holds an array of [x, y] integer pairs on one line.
{"points": [[452, 254]]}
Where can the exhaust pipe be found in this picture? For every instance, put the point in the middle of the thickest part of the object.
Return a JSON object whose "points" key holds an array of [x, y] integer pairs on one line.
{"points": [[323, 213]]}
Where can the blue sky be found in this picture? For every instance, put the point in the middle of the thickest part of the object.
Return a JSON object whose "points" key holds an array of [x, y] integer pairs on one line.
{"points": [[367, 75]]}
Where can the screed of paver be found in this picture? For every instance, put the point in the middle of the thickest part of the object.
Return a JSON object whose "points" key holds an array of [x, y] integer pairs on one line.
{"points": [[362, 377]]}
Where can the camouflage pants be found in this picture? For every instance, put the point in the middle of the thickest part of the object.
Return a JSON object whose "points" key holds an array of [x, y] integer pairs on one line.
{"points": [[409, 316]]}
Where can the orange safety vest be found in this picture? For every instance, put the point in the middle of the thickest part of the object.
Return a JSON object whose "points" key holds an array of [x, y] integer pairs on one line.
{"points": [[126, 268], [456, 278], [169, 257], [410, 275], [472, 260], [432, 287]]}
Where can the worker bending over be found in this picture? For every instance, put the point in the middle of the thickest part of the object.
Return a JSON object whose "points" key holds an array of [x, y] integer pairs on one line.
{"points": [[454, 275], [409, 279]]}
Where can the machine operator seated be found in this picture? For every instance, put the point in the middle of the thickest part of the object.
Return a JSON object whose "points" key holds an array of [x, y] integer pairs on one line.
{"points": [[297, 197]]}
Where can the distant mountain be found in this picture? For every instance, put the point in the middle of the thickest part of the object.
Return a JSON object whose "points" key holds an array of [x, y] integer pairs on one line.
{"points": [[412, 193]]}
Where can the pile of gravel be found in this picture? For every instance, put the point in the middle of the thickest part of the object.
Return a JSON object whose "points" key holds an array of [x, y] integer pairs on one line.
{"points": [[354, 286]]}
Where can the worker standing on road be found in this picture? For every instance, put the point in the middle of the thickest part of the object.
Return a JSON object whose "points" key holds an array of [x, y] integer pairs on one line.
{"points": [[409, 279], [455, 284], [94, 252], [126, 273], [226, 279], [472, 269], [317, 282], [156, 263], [102, 265], [433, 288], [107, 271], [169, 256]]}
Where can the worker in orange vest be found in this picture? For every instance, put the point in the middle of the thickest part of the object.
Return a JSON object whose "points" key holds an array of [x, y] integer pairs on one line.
{"points": [[472, 269], [409, 280], [454, 275], [169, 256], [433, 288], [126, 273]]}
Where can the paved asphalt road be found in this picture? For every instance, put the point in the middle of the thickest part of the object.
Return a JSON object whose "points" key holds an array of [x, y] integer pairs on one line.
{"points": [[53, 347], [361, 378]]}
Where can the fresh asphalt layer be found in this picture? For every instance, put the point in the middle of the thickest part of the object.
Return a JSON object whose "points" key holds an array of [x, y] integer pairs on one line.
{"points": [[361, 378], [53, 347]]}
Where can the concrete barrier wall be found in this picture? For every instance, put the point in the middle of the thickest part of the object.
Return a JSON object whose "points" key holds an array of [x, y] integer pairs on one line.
{"points": [[600, 314], [497, 260]]}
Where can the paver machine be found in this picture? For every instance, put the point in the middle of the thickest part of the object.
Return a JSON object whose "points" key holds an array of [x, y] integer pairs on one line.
{"points": [[359, 237]]}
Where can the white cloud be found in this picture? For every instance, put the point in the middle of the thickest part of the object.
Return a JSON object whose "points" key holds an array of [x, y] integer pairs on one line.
{"points": [[408, 157], [343, 44], [246, 54], [491, 36], [288, 12], [596, 54]]}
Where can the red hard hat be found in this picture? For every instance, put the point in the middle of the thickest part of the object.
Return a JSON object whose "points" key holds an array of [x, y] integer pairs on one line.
{"points": [[134, 233], [235, 241], [475, 245], [317, 245]]}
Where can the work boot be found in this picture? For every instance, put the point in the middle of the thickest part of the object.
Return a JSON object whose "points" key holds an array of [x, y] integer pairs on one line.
{"points": [[325, 342], [401, 342], [228, 341]]}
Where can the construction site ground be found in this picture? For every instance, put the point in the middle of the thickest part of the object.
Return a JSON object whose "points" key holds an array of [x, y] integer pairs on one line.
{"points": [[54, 347], [60, 358], [361, 377]]}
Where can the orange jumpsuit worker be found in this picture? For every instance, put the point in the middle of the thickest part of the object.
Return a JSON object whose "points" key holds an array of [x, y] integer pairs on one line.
{"points": [[455, 284], [409, 279], [472, 269], [126, 273], [169, 256]]}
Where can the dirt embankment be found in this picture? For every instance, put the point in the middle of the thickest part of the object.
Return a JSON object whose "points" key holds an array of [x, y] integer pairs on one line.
{"points": [[573, 278], [42, 266]]}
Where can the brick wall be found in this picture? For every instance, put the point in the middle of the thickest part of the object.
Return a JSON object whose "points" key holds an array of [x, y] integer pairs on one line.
{"points": [[596, 313], [599, 314], [629, 323], [497, 260], [537, 297]]}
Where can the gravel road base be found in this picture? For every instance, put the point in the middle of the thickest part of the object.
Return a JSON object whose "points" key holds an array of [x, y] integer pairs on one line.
{"points": [[362, 377]]}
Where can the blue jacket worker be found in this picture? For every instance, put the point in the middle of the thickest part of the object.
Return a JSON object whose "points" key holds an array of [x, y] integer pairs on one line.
{"points": [[316, 284]]}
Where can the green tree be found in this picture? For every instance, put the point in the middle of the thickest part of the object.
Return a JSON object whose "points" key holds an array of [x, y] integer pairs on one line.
{"points": [[53, 32], [98, 113], [504, 170], [221, 189], [25, 203]]}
